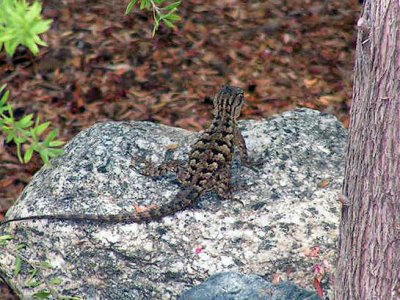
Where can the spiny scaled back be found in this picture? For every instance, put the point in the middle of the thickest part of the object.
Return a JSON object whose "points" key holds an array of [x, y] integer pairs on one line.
{"points": [[211, 157], [208, 167]]}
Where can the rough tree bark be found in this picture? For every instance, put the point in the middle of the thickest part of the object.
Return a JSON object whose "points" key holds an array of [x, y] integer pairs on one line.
{"points": [[369, 257]]}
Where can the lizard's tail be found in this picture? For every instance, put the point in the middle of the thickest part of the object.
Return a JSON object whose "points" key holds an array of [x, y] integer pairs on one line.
{"points": [[184, 199]]}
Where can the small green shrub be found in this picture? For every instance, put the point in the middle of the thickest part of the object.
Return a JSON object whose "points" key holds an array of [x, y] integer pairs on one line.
{"points": [[21, 24], [33, 273], [26, 133], [166, 14]]}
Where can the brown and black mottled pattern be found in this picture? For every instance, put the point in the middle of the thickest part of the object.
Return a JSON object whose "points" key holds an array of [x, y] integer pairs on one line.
{"points": [[208, 167]]}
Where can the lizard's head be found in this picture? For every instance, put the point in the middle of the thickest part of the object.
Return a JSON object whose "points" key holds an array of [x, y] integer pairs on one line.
{"points": [[228, 102]]}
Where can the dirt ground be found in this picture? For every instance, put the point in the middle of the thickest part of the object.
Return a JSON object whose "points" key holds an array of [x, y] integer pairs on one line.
{"points": [[102, 65]]}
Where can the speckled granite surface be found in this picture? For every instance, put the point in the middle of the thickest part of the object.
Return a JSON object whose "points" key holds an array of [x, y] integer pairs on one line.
{"points": [[286, 211]]}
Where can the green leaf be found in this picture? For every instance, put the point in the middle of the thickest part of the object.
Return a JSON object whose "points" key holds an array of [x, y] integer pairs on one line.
{"points": [[20, 139], [39, 41], [6, 237], [21, 246], [28, 155], [56, 281], [169, 23], [36, 146], [9, 121], [172, 17], [33, 283], [37, 121], [6, 37], [130, 6], [29, 42], [173, 5], [33, 11], [11, 46], [46, 264], [10, 137], [18, 265], [41, 27], [11, 113], [44, 155], [43, 294], [145, 4], [41, 128], [56, 143], [51, 136], [25, 121], [3, 87], [33, 273], [55, 152], [4, 98]]}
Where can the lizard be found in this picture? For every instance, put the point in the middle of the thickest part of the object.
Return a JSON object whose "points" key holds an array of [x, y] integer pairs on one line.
{"points": [[208, 167]]}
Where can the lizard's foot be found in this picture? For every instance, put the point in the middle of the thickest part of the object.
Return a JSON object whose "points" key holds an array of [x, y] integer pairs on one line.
{"points": [[229, 197], [250, 164], [225, 193], [154, 171], [148, 166], [238, 201]]}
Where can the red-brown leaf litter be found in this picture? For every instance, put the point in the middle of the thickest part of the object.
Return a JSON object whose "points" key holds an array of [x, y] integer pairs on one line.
{"points": [[102, 65]]}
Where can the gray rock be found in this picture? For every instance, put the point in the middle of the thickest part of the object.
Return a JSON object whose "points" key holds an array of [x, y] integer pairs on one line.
{"points": [[237, 286], [283, 211]]}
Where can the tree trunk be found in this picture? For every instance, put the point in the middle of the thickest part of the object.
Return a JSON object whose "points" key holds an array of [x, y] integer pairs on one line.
{"points": [[369, 245]]}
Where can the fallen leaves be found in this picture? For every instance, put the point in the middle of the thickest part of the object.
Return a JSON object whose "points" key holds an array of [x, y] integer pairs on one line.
{"points": [[102, 65]]}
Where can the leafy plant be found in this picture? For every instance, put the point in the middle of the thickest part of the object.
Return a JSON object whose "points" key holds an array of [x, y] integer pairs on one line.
{"points": [[21, 23], [33, 271], [166, 14], [26, 132]]}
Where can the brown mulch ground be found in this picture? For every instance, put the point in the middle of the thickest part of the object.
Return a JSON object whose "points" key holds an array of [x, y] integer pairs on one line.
{"points": [[101, 65]]}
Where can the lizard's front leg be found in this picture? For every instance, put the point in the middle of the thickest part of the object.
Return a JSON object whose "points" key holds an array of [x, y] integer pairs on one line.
{"points": [[223, 186], [152, 170]]}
